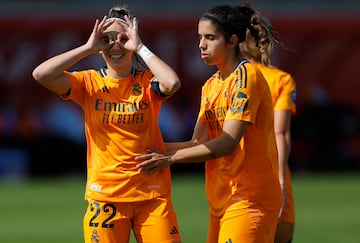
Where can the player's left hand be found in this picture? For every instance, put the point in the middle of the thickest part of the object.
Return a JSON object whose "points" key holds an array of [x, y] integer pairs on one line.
{"points": [[132, 40]]}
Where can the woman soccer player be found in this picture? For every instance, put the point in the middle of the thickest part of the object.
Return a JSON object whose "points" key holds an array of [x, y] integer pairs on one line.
{"points": [[283, 91], [121, 104], [234, 132]]}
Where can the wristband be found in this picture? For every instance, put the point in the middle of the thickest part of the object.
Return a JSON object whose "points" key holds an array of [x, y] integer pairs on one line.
{"points": [[144, 52]]}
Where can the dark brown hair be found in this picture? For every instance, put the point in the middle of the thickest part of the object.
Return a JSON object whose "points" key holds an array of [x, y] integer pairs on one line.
{"points": [[236, 21], [119, 12]]}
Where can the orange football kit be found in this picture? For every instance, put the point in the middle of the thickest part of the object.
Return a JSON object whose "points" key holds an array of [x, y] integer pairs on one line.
{"points": [[243, 190], [283, 91], [121, 121]]}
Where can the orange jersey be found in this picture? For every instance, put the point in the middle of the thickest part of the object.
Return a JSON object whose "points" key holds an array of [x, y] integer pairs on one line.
{"points": [[250, 173], [282, 87], [121, 121], [283, 92]]}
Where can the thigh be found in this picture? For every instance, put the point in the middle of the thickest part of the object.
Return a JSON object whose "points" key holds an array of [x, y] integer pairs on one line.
{"points": [[156, 222], [249, 223], [106, 223]]}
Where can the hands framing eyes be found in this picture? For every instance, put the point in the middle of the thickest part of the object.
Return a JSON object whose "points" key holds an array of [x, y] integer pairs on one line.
{"points": [[126, 36]]}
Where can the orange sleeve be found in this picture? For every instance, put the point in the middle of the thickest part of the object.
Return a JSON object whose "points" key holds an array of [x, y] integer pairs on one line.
{"points": [[286, 98]]}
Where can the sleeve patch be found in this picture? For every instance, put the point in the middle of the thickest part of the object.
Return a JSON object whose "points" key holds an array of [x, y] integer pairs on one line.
{"points": [[239, 102]]}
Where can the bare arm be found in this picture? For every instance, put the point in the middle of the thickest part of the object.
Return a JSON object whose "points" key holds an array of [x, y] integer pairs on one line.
{"points": [[223, 145], [282, 120], [200, 135], [51, 74], [169, 81]]}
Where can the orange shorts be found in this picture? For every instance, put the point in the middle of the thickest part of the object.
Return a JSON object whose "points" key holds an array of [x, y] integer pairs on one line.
{"points": [[288, 214], [243, 222], [152, 221]]}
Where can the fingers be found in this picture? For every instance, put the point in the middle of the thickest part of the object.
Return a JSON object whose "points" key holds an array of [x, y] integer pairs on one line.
{"points": [[281, 212], [96, 26], [135, 24], [131, 24], [284, 204], [127, 23], [151, 163], [148, 167], [143, 157], [147, 164], [105, 23], [100, 24]]}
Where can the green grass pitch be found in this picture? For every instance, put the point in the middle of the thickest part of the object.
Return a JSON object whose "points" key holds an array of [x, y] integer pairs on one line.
{"points": [[51, 210]]}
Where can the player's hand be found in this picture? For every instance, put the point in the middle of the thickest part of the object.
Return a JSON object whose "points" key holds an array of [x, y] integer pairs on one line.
{"points": [[152, 162], [98, 39], [130, 39], [284, 200]]}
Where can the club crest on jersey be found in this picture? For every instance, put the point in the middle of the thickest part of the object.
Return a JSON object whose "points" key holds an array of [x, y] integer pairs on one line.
{"points": [[95, 237], [136, 89], [239, 102]]}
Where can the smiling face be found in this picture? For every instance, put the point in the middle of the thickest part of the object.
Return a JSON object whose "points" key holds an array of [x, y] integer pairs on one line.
{"points": [[116, 55]]}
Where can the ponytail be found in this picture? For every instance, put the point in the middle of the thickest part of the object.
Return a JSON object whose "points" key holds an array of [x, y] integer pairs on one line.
{"points": [[261, 33]]}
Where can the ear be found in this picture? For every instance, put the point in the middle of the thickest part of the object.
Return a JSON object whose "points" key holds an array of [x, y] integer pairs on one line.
{"points": [[234, 40]]}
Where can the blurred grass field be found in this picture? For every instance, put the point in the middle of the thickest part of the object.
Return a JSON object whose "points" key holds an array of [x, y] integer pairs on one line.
{"points": [[51, 210]]}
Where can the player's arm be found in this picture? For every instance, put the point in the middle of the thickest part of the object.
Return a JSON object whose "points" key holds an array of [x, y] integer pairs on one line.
{"points": [[51, 73], [282, 120], [168, 79], [200, 135], [222, 145]]}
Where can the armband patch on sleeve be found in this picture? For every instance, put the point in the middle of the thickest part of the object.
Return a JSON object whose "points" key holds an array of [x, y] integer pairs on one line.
{"points": [[67, 94], [156, 88]]}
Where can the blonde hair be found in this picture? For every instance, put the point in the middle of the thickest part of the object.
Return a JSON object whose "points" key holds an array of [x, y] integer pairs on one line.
{"points": [[254, 50]]}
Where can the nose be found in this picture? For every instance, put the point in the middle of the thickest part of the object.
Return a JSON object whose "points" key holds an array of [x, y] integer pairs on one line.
{"points": [[201, 44]]}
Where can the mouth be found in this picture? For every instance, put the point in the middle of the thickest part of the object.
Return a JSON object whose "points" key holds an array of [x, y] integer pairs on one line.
{"points": [[204, 55], [116, 56]]}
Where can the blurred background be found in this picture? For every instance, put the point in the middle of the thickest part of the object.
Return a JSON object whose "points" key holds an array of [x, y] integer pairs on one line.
{"points": [[39, 131], [42, 144]]}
